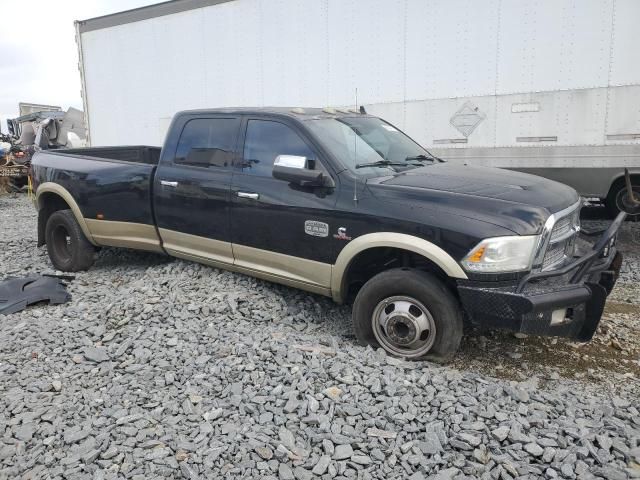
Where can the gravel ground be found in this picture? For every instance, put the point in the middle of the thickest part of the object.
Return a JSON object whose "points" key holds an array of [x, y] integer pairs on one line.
{"points": [[161, 368]]}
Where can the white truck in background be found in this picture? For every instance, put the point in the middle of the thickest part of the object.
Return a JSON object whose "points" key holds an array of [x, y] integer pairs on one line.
{"points": [[549, 87]]}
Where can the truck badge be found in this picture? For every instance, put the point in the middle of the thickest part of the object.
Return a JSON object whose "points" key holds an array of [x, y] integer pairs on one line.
{"points": [[342, 234], [316, 229]]}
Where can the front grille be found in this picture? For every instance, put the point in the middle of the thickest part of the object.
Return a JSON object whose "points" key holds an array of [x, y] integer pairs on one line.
{"points": [[554, 255], [562, 239], [561, 228]]}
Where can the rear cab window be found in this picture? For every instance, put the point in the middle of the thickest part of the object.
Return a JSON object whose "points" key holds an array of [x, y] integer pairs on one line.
{"points": [[208, 142]]}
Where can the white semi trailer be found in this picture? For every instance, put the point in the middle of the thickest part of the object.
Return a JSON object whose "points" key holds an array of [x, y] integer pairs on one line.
{"points": [[551, 86]]}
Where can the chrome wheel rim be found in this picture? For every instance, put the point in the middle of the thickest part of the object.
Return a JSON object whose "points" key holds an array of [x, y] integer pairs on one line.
{"points": [[403, 326]]}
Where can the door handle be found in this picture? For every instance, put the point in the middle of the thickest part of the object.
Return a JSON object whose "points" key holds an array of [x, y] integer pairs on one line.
{"points": [[167, 183], [254, 196]]}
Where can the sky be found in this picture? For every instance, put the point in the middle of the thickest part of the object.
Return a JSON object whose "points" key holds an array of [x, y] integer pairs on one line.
{"points": [[38, 53]]}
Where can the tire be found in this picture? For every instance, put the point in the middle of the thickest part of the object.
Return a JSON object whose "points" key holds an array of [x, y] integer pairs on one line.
{"points": [[68, 248], [422, 303], [616, 197]]}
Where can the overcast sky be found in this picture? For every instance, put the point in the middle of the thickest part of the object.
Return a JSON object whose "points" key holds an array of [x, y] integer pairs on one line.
{"points": [[38, 54]]}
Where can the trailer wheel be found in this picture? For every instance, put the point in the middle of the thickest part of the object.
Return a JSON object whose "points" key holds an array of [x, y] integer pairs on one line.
{"points": [[68, 248], [410, 314], [618, 199]]}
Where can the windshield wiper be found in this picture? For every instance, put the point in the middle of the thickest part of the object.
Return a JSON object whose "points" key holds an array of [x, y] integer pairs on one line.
{"points": [[423, 157], [382, 163]]}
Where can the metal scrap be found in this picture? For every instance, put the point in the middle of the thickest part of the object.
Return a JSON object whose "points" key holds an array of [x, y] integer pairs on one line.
{"points": [[35, 130]]}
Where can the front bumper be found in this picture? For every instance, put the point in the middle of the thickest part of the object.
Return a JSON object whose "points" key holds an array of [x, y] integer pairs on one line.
{"points": [[567, 302]]}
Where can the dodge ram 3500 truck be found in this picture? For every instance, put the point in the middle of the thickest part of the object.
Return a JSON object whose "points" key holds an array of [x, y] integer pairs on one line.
{"points": [[342, 204]]}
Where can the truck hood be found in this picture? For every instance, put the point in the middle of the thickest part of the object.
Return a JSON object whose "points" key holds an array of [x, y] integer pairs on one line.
{"points": [[517, 201]]}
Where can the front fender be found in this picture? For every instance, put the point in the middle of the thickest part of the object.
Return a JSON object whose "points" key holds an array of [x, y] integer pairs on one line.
{"points": [[394, 240]]}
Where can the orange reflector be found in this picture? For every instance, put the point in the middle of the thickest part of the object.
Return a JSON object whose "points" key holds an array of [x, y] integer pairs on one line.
{"points": [[100, 216], [477, 255]]}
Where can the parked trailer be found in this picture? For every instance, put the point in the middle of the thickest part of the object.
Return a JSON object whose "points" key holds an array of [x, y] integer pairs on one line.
{"points": [[551, 87]]}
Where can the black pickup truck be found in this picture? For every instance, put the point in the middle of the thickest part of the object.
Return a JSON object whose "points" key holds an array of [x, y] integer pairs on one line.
{"points": [[342, 204]]}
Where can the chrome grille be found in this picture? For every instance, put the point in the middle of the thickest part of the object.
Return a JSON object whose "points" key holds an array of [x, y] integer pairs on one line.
{"points": [[561, 243], [561, 228], [554, 255]]}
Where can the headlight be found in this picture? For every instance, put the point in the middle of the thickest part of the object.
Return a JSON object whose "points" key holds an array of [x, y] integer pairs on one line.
{"points": [[501, 254]]}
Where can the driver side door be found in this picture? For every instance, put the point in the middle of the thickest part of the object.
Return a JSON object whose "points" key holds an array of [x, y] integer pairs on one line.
{"points": [[280, 231]]}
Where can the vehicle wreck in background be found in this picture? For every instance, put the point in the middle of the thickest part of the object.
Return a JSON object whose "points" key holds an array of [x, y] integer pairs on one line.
{"points": [[34, 130], [13, 165], [49, 129]]}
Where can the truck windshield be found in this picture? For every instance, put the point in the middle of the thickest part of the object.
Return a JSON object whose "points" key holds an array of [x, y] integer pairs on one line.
{"points": [[369, 145]]}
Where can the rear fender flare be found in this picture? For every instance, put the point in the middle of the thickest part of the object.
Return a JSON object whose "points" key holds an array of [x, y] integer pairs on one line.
{"points": [[50, 187], [394, 240]]}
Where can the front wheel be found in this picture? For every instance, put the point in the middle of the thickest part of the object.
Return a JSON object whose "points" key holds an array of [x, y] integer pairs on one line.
{"points": [[410, 314]]}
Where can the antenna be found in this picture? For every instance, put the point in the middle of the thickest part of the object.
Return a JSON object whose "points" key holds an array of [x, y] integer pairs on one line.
{"points": [[355, 156]]}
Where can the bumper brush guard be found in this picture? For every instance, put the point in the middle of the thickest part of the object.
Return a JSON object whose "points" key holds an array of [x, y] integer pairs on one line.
{"points": [[566, 302]]}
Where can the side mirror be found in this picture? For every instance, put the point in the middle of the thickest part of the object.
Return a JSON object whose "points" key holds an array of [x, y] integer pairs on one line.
{"points": [[295, 169]]}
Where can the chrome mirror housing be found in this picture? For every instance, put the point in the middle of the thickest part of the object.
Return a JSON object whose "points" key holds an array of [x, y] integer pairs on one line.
{"points": [[290, 161], [297, 170]]}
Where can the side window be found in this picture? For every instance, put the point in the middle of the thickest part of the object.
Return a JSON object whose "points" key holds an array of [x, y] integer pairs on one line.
{"points": [[265, 140], [207, 142]]}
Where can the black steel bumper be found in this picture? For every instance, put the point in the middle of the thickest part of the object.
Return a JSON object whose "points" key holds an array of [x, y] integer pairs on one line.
{"points": [[566, 302]]}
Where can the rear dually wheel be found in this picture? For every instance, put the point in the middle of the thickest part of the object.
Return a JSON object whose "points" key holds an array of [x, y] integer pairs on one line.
{"points": [[68, 248]]}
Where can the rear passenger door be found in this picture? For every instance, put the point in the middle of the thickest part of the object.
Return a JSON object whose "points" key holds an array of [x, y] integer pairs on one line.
{"points": [[192, 190], [280, 230]]}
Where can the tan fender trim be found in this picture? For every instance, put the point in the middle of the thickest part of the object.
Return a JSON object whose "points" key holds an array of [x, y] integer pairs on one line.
{"points": [[295, 269], [196, 247], [50, 187], [110, 233], [393, 240], [296, 272]]}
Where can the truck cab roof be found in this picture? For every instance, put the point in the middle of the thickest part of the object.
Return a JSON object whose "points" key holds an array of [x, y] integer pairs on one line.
{"points": [[299, 113]]}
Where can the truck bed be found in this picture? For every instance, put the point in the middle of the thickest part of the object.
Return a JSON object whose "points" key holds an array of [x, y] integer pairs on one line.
{"points": [[136, 154], [114, 183]]}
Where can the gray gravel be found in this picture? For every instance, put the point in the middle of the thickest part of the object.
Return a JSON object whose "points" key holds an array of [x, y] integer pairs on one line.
{"points": [[168, 369]]}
